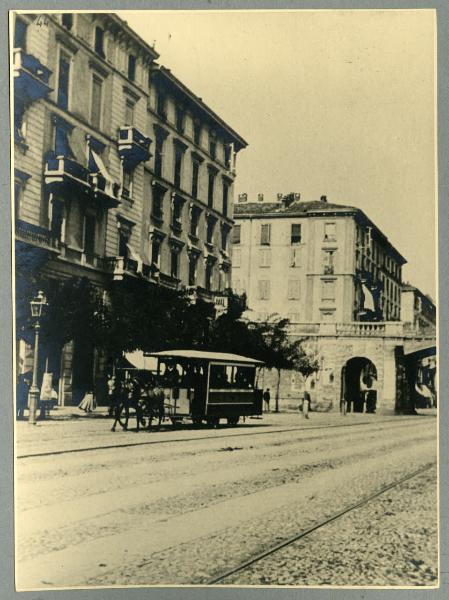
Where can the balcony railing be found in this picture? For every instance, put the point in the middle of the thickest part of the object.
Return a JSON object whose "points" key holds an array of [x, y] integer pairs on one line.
{"points": [[63, 171], [353, 329], [35, 235], [133, 146], [30, 76], [169, 281]]}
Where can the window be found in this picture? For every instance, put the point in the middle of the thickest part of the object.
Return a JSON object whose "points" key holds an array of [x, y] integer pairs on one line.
{"points": [[179, 119], [210, 187], [227, 155], [294, 317], [265, 257], [197, 132], [67, 20], [20, 31], [194, 222], [156, 253], [99, 41], [177, 214], [236, 234], [236, 257], [174, 263], [158, 154], [209, 275], [90, 227], [295, 237], [161, 102], [178, 165], [224, 238], [212, 146], [193, 259], [264, 289], [131, 67], [129, 113], [95, 109], [158, 201], [127, 189], [210, 231], [225, 197], [195, 174], [63, 81], [293, 289], [329, 232], [265, 234], [62, 146], [328, 289], [123, 239], [328, 262]]}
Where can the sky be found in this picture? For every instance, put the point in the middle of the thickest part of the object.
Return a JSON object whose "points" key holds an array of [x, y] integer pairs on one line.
{"points": [[336, 103]]}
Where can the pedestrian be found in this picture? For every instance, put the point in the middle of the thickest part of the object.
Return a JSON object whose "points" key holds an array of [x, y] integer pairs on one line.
{"points": [[266, 399], [88, 403], [306, 404], [22, 391]]}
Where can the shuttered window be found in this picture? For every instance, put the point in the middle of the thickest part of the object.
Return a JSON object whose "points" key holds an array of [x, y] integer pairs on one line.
{"points": [[265, 234], [293, 289], [264, 289]]}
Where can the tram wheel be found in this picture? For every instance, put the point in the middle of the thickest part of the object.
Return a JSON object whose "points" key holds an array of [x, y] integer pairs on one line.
{"points": [[233, 421], [197, 420], [213, 421]]}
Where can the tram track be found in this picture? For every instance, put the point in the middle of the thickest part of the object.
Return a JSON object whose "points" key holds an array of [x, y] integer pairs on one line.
{"points": [[222, 577], [202, 438]]}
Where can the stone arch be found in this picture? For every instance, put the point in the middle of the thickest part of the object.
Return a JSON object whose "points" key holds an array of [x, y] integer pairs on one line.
{"points": [[359, 385]]}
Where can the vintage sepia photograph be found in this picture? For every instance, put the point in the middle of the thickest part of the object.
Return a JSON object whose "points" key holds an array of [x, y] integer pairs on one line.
{"points": [[224, 233]]}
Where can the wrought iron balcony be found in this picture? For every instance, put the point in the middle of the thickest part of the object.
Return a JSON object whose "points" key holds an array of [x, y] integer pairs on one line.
{"points": [[30, 76], [133, 146], [61, 172], [36, 236]]}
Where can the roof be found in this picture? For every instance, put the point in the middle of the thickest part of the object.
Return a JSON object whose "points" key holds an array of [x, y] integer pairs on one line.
{"points": [[311, 208], [202, 355], [169, 78]]}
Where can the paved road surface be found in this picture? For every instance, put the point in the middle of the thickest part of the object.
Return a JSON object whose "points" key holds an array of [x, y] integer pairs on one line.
{"points": [[182, 513]]}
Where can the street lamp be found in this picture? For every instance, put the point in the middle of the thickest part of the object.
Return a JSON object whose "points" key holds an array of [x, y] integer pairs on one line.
{"points": [[38, 305]]}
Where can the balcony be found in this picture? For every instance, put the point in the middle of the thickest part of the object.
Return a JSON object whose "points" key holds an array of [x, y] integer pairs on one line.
{"points": [[169, 281], [133, 147], [36, 236], [30, 77], [120, 266], [62, 172]]}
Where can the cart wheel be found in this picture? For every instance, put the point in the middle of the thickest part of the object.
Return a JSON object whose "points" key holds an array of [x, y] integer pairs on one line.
{"points": [[122, 417], [232, 421]]}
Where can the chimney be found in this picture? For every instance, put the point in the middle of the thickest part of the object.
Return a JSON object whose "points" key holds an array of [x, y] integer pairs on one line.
{"points": [[242, 197], [290, 199], [260, 197], [323, 198]]}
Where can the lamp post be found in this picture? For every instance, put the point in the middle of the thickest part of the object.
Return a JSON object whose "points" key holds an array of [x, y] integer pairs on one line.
{"points": [[37, 307]]}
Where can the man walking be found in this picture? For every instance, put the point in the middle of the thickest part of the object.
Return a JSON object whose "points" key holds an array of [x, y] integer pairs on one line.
{"points": [[266, 399]]}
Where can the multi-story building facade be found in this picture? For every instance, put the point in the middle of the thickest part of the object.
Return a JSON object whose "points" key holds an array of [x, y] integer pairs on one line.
{"points": [[314, 262], [120, 170], [338, 279], [417, 309]]}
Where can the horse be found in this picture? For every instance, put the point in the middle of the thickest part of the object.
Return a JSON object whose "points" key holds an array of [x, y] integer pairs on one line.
{"points": [[126, 395], [147, 400]]}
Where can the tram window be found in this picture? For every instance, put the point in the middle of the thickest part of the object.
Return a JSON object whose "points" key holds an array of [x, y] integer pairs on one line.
{"points": [[244, 377], [218, 376]]}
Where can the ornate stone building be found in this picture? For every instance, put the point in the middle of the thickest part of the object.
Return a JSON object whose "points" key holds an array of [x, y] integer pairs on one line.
{"points": [[120, 170]]}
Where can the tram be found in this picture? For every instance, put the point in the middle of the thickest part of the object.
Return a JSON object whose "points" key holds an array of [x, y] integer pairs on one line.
{"points": [[208, 386]]}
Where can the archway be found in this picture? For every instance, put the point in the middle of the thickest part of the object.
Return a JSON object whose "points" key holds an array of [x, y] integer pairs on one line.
{"points": [[358, 385]]}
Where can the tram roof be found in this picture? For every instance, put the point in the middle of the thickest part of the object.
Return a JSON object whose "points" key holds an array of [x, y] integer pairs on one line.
{"points": [[202, 355]]}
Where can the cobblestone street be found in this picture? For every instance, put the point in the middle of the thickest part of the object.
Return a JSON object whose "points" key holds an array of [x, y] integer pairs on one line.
{"points": [[147, 511]]}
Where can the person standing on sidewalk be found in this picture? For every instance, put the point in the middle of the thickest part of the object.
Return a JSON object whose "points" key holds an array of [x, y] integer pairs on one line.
{"points": [[266, 399], [306, 404]]}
